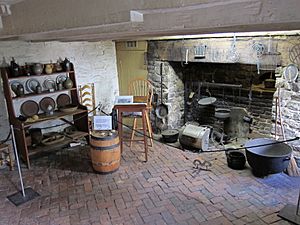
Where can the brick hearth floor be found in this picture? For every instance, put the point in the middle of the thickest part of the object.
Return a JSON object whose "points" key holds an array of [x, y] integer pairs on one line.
{"points": [[165, 190]]}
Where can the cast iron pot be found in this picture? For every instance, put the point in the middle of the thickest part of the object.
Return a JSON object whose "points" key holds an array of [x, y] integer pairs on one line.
{"points": [[170, 135], [235, 159], [222, 113], [269, 159], [36, 136]]}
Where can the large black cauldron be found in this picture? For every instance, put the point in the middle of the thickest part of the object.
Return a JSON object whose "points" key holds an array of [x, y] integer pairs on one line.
{"points": [[268, 159]]}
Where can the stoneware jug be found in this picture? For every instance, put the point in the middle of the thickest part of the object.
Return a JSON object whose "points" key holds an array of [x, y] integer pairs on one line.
{"points": [[27, 69], [20, 90], [58, 67], [14, 67], [49, 68], [38, 68], [60, 86], [67, 65], [38, 89], [68, 83]]}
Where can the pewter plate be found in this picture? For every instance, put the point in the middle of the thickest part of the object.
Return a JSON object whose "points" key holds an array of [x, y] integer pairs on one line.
{"points": [[31, 85], [290, 73], [63, 100], [45, 102], [14, 85], [61, 78], [49, 84], [29, 108]]}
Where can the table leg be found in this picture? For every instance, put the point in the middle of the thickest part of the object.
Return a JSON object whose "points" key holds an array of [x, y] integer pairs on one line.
{"points": [[145, 133], [149, 129], [120, 129]]}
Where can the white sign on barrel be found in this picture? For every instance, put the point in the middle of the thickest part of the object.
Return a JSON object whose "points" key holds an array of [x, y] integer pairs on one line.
{"points": [[102, 123]]}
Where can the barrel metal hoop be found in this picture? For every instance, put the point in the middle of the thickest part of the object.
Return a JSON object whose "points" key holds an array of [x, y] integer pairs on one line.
{"points": [[106, 147], [105, 163], [105, 138]]}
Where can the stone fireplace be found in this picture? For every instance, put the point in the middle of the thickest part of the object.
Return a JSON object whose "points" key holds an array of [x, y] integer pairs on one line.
{"points": [[235, 82]]}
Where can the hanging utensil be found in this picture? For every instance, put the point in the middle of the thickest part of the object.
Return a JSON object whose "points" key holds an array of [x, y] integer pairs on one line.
{"points": [[186, 56], [199, 90], [259, 50], [250, 94], [294, 54], [290, 74], [233, 55], [208, 100], [200, 51], [161, 110]]}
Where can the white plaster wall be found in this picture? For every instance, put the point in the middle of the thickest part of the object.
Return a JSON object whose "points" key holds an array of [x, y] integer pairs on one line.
{"points": [[93, 62]]}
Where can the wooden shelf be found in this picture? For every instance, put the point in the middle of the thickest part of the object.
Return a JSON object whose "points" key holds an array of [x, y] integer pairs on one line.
{"points": [[43, 93], [41, 75], [79, 116], [77, 134], [55, 115], [45, 149]]}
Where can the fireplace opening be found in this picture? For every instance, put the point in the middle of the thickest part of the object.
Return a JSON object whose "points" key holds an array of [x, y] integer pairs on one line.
{"points": [[233, 88]]}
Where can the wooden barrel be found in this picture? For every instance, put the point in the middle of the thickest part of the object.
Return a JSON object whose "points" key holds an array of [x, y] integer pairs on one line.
{"points": [[105, 151]]}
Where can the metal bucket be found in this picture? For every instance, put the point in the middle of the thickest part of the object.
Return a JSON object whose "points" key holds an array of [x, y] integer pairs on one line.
{"points": [[195, 137]]}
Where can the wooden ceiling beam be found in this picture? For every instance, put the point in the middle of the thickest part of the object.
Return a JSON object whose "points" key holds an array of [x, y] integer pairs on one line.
{"points": [[209, 17]]}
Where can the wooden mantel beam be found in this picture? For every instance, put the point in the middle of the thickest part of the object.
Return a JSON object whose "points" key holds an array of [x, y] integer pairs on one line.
{"points": [[115, 20]]}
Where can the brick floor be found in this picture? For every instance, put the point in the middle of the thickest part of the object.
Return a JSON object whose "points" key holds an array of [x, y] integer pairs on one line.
{"points": [[165, 190]]}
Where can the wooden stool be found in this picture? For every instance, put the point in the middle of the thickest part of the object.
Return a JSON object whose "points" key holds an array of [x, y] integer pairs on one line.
{"points": [[137, 107], [6, 149]]}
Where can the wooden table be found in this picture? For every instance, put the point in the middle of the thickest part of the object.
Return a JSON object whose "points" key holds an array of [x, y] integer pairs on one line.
{"points": [[133, 107]]}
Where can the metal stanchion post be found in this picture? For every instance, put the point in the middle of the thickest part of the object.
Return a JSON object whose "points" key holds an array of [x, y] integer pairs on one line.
{"points": [[26, 194], [291, 212], [17, 159]]}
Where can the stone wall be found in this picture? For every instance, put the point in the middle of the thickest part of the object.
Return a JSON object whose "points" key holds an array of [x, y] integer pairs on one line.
{"points": [[288, 94], [173, 94], [93, 62]]}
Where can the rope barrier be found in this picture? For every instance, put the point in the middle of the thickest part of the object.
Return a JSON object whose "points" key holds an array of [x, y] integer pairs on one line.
{"points": [[210, 151], [137, 131], [58, 125]]}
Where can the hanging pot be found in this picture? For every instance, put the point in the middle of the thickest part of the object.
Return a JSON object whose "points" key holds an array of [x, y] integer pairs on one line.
{"points": [[222, 113], [207, 101], [161, 110]]}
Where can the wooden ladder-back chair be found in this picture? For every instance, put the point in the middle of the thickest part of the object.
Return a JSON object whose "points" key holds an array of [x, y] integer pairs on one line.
{"points": [[142, 91], [87, 98]]}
